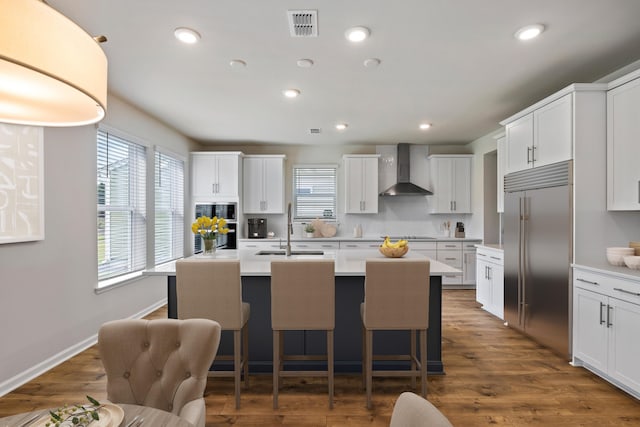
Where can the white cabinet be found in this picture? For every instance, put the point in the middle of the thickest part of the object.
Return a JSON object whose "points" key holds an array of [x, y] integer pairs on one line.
{"points": [[215, 176], [541, 137], [500, 170], [263, 184], [606, 320], [490, 280], [361, 183], [365, 244], [260, 244], [623, 147], [306, 245], [451, 178], [468, 263]]}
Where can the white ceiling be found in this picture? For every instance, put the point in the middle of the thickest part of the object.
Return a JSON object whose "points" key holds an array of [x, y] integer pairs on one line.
{"points": [[453, 63]]}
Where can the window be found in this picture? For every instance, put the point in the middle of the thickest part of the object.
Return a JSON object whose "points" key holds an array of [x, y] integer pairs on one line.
{"points": [[121, 206], [314, 191], [169, 213]]}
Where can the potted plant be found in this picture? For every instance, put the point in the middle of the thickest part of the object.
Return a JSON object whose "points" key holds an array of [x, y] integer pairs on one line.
{"points": [[309, 229]]}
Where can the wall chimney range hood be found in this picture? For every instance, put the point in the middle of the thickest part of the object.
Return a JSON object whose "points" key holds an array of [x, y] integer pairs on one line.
{"points": [[403, 187]]}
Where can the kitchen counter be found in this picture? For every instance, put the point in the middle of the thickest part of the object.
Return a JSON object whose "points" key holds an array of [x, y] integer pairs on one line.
{"points": [[372, 238], [349, 293], [622, 272], [494, 246]]}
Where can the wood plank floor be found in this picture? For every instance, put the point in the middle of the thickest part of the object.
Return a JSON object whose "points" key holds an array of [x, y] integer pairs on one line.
{"points": [[494, 376]]}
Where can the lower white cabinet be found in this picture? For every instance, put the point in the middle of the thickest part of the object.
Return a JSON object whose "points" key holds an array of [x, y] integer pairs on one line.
{"points": [[606, 321], [365, 244], [490, 280]]}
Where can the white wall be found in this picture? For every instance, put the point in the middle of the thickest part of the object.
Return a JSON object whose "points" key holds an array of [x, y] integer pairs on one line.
{"points": [[48, 307]]}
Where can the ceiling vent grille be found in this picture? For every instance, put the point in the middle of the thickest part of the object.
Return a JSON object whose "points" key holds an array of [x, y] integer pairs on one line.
{"points": [[314, 130], [303, 23]]}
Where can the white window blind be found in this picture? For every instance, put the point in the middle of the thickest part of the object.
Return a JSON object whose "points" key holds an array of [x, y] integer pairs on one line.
{"points": [[169, 212], [121, 206], [314, 192]]}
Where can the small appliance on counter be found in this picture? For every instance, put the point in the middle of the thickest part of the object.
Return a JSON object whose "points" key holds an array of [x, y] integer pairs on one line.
{"points": [[257, 228], [459, 229]]}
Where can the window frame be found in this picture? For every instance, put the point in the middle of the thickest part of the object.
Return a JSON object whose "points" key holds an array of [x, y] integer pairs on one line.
{"points": [[302, 218], [176, 209]]}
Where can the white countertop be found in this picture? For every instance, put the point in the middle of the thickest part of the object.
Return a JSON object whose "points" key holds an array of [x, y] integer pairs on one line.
{"points": [[621, 272], [366, 238], [349, 262], [494, 246]]}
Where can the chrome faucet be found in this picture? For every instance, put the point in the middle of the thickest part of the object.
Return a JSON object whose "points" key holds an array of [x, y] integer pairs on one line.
{"points": [[289, 229]]}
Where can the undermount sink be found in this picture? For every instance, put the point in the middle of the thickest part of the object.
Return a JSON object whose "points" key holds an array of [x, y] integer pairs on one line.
{"points": [[292, 253]]}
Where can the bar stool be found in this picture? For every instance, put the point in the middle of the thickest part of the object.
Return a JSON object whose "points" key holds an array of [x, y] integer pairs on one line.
{"points": [[302, 298], [212, 289], [396, 297]]}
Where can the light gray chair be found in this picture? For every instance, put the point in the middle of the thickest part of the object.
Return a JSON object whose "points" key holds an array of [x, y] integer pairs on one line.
{"points": [[411, 410], [160, 363], [211, 289], [302, 298], [396, 297]]}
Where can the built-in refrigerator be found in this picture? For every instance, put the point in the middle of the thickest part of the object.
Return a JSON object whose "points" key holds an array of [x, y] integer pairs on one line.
{"points": [[538, 241]]}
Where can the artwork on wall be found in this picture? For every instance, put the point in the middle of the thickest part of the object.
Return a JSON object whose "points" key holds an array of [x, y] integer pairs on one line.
{"points": [[21, 183]]}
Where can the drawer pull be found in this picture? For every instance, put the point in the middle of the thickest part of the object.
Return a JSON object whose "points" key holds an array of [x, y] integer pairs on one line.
{"points": [[451, 259], [480, 254], [624, 291], [495, 257], [587, 281]]}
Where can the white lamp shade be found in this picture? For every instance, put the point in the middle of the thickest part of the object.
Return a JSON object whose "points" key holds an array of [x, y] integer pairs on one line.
{"points": [[52, 73]]}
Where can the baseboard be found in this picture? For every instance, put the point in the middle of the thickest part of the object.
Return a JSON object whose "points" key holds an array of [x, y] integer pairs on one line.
{"points": [[66, 354]]}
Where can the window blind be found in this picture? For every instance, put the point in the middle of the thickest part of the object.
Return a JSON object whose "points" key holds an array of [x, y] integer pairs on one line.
{"points": [[121, 201], [314, 192], [169, 208]]}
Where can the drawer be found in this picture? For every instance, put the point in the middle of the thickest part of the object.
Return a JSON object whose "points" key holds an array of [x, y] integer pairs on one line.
{"points": [[451, 258], [608, 284], [626, 290], [451, 279], [359, 245], [470, 246], [422, 246], [496, 257], [315, 245], [447, 246]]}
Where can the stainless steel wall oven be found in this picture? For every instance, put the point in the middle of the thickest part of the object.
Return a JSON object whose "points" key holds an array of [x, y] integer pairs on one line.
{"points": [[227, 211]]}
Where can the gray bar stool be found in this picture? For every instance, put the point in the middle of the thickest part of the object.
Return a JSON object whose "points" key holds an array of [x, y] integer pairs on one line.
{"points": [[302, 298], [212, 289], [396, 297]]}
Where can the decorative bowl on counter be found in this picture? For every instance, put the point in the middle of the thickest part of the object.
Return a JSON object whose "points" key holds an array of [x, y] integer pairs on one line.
{"points": [[391, 252], [615, 256], [632, 262]]}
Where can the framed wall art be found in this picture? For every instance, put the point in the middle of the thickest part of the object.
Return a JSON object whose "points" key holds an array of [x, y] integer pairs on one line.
{"points": [[21, 183]]}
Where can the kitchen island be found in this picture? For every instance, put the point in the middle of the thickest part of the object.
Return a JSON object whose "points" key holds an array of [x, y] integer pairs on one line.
{"points": [[350, 273]]}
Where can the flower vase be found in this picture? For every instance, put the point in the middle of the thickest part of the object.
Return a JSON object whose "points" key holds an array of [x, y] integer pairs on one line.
{"points": [[209, 247]]}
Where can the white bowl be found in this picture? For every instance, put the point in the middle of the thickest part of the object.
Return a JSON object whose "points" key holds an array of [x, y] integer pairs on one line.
{"points": [[615, 259], [632, 262]]}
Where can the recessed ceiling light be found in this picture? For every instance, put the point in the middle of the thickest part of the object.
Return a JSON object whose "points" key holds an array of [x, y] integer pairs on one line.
{"points": [[291, 93], [425, 126], [529, 32], [357, 34], [187, 35], [304, 63], [341, 126]]}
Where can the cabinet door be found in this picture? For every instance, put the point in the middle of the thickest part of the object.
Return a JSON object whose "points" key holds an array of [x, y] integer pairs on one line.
{"points": [[623, 147], [461, 178], [353, 184], [370, 185], [273, 185], [590, 329], [442, 169], [519, 144], [482, 281], [496, 276], [624, 347], [252, 185], [553, 133], [203, 175], [227, 175], [500, 173], [469, 267]]}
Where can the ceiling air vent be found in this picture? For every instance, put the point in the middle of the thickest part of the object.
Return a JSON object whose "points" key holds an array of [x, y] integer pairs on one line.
{"points": [[303, 23], [314, 130]]}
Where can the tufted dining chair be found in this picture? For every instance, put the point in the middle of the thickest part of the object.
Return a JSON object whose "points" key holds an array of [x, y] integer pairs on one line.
{"points": [[161, 363], [411, 410]]}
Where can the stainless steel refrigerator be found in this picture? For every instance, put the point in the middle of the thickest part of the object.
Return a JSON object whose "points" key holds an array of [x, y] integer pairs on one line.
{"points": [[538, 241]]}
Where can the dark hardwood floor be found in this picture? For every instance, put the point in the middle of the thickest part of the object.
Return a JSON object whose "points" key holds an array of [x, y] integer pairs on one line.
{"points": [[495, 376]]}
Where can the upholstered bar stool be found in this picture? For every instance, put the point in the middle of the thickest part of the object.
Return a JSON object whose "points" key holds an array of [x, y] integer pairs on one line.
{"points": [[302, 298], [212, 289], [396, 297]]}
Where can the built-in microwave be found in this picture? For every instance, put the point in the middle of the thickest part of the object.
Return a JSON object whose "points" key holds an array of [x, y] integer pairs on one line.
{"points": [[227, 211]]}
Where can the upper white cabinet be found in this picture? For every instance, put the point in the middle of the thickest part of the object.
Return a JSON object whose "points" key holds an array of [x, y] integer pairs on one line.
{"points": [[215, 175], [451, 178], [541, 137], [623, 147], [263, 184], [361, 183]]}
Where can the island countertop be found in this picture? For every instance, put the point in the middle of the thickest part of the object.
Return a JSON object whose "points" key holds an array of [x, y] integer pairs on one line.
{"points": [[348, 262]]}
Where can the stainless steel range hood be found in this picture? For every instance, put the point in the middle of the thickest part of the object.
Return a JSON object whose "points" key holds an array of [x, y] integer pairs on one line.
{"points": [[404, 187]]}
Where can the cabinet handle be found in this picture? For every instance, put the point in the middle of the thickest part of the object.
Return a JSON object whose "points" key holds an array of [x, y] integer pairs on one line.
{"points": [[601, 316], [627, 292], [480, 254], [495, 257], [528, 155], [450, 259], [490, 273], [609, 324], [364, 205], [533, 154], [486, 274], [326, 246], [587, 281], [449, 246], [455, 206]]}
